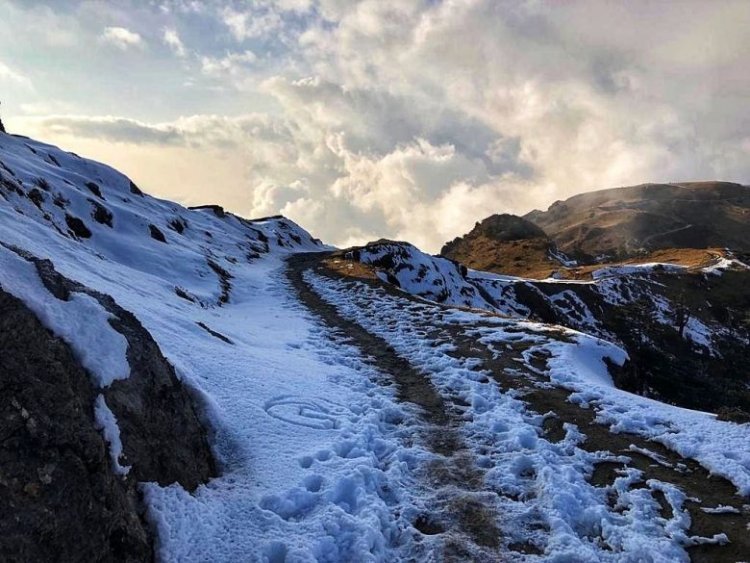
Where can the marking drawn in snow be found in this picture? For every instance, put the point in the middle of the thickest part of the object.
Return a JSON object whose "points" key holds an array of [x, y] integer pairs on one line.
{"points": [[321, 414]]}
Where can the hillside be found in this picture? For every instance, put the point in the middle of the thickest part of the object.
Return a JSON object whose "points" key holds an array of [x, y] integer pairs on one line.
{"points": [[188, 385], [624, 222], [656, 312], [506, 243]]}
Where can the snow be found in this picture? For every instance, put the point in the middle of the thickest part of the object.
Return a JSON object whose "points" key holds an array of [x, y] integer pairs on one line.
{"points": [[508, 439], [574, 308], [636, 269], [106, 422], [431, 277], [723, 264], [310, 443], [584, 360], [81, 322], [561, 257], [721, 509], [441, 280]]}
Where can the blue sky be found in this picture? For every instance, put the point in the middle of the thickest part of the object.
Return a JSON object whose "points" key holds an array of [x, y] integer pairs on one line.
{"points": [[409, 119]]}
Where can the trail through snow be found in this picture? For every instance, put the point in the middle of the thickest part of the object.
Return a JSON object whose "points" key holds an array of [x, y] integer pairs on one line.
{"points": [[312, 468]]}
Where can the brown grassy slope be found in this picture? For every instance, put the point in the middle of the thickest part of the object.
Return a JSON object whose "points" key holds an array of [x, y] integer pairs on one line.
{"points": [[624, 222], [504, 243]]}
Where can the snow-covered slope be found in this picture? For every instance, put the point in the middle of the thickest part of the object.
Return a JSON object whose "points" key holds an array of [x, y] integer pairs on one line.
{"points": [[656, 311], [432, 277], [298, 429], [349, 421]]}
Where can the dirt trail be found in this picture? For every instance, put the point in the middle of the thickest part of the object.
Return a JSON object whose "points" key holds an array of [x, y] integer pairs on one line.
{"points": [[463, 511], [653, 459], [456, 465], [649, 238]]}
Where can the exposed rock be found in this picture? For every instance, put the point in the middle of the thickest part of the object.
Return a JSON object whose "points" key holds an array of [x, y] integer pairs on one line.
{"points": [[135, 189], [161, 432], [224, 277], [77, 226], [95, 189], [214, 333], [101, 214], [217, 209], [43, 184], [178, 224], [36, 197], [156, 234], [59, 497]]}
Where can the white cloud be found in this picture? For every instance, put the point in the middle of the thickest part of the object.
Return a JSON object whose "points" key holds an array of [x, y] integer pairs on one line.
{"points": [[414, 119], [231, 64], [11, 76], [122, 38], [249, 24], [172, 40]]}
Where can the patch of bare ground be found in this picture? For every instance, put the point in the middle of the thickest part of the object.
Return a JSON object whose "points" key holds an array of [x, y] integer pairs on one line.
{"points": [[337, 264], [528, 258]]}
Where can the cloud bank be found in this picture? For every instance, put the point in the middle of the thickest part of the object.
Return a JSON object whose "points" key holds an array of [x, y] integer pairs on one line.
{"points": [[414, 119]]}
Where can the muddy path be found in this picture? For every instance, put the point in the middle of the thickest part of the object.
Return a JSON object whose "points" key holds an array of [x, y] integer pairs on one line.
{"points": [[463, 512], [656, 462]]}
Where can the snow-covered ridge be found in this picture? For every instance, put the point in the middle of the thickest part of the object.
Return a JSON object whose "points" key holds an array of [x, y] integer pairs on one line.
{"points": [[110, 217], [432, 277]]}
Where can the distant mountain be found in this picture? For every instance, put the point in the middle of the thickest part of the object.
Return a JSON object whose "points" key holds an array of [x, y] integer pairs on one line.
{"points": [[625, 222]]}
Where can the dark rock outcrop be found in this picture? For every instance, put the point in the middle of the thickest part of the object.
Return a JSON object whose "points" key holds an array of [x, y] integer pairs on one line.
{"points": [[161, 431], [77, 226], [217, 209], [59, 497], [59, 494], [156, 233]]}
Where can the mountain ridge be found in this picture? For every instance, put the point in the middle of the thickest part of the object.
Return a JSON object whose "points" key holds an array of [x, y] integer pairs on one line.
{"points": [[621, 222]]}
